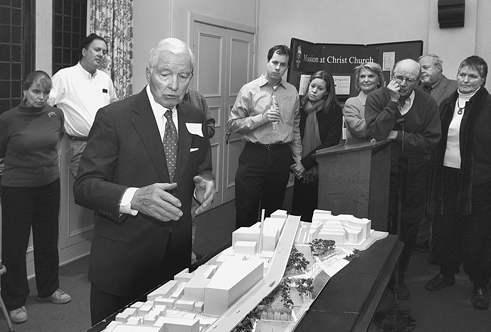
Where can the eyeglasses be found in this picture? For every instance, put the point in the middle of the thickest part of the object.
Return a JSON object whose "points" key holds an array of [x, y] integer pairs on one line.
{"points": [[400, 78]]}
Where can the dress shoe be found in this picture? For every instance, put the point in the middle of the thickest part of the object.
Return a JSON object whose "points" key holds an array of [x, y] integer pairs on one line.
{"points": [[440, 281], [423, 247], [480, 298], [402, 292]]}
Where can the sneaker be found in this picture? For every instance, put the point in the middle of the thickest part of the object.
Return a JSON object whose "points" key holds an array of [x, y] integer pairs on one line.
{"points": [[58, 297], [18, 315]]}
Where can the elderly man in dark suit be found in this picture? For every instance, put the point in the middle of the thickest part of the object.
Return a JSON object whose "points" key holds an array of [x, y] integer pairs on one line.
{"points": [[140, 187], [440, 88]]}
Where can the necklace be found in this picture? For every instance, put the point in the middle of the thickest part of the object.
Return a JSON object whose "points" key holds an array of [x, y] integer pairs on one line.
{"points": [[461, 109]]}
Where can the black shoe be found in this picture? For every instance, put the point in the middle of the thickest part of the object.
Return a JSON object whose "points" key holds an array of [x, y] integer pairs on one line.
{"points": [[422, 247], [440, 281], [480, 298], [402, 292]]}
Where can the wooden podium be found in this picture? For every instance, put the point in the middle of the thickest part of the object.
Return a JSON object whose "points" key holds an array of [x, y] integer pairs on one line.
{"points": [[354, 180]]}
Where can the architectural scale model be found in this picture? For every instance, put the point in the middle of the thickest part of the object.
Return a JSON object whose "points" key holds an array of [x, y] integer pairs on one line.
{"points": [[218, 296]]}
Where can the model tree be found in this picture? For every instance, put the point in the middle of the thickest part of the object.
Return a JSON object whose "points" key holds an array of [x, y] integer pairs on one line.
{"points": [[321, 247], [305, 286], [296, 261]]}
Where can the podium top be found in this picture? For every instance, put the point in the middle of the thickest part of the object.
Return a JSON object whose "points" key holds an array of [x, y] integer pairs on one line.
{"points": [[342, 148]]}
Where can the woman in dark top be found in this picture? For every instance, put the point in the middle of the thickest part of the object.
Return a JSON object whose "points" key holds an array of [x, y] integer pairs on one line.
{"points": [[321, 121], [460, 188], [29, 137]]}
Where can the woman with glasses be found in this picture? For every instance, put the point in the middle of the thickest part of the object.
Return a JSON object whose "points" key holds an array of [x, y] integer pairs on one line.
{"points": [[321, 122], [29, 138], [368, 78], [460, 195]]}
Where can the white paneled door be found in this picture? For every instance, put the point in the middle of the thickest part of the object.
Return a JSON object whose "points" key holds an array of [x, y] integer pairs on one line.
{"points": [[224, 63]]}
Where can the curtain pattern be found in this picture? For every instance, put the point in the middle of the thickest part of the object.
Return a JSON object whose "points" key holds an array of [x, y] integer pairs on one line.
{"points": [[113, 20]]}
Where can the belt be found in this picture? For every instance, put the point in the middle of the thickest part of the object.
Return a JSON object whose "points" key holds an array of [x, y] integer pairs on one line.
{"points": [[77, 138], [268, 147]]}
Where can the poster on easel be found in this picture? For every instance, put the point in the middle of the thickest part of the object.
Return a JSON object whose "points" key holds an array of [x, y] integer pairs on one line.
{"points": [[341, 59]]}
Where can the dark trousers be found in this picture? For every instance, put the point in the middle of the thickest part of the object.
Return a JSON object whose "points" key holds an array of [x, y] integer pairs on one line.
{"points": [[23, 209], [102, 304], [412, 185], [465, 238], [262, 176], [305, 197]]}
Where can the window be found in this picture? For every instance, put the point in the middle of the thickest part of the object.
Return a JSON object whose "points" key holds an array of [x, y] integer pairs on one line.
{"points": [[17, 31], [69, 28]]}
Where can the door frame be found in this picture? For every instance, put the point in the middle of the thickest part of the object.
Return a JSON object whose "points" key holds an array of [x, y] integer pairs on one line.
{"points": [[194, 19]]}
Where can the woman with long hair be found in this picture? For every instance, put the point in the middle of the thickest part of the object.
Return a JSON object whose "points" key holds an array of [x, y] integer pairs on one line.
{"points": [[321, 121]]}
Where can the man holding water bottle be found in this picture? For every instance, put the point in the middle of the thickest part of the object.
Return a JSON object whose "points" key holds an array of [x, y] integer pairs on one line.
{"points": [[266, 113]]}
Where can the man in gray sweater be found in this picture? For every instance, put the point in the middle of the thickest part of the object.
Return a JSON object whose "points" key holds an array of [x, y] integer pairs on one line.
{"points": [[410, 118]]}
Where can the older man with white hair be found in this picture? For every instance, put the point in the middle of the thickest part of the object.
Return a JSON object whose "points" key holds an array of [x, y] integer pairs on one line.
{"points": [[410, 118], [146, 157]]}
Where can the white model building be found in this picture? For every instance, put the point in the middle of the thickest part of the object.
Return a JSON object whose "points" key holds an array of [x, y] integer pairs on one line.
{"points": [[194, 301], [342, 228]]}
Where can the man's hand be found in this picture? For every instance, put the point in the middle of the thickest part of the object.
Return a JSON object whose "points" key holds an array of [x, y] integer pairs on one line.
{"points": [[394, 87], [392, 134], [204, 191], [297, 169], [156, 201], [272, 114]]}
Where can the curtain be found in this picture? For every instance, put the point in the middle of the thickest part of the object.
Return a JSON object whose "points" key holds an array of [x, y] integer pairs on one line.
{"points": [[113, 20]]}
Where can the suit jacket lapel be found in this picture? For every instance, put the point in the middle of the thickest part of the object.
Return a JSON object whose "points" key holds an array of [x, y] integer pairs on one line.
{"points": [[440, 89], [145, 125]]}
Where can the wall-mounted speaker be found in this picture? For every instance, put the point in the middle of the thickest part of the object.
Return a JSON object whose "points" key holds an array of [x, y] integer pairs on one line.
{"points": [[451, 13]]}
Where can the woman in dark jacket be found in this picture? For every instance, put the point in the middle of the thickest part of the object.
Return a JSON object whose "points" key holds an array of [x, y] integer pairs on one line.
{"points": [[460, 188], [321, 121]]}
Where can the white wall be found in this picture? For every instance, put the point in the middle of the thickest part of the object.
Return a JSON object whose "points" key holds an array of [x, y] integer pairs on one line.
{"points": [[343, 21], [151, 23], [155, 20], [381, 21]]}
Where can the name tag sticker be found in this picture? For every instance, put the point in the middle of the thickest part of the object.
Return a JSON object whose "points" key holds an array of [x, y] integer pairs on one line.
{"points": [[195, 129]]}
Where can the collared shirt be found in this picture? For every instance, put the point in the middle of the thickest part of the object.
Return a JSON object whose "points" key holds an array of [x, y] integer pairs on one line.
{"points": [[254, 99], [408, 103], [80, 95], [159, 111]]}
